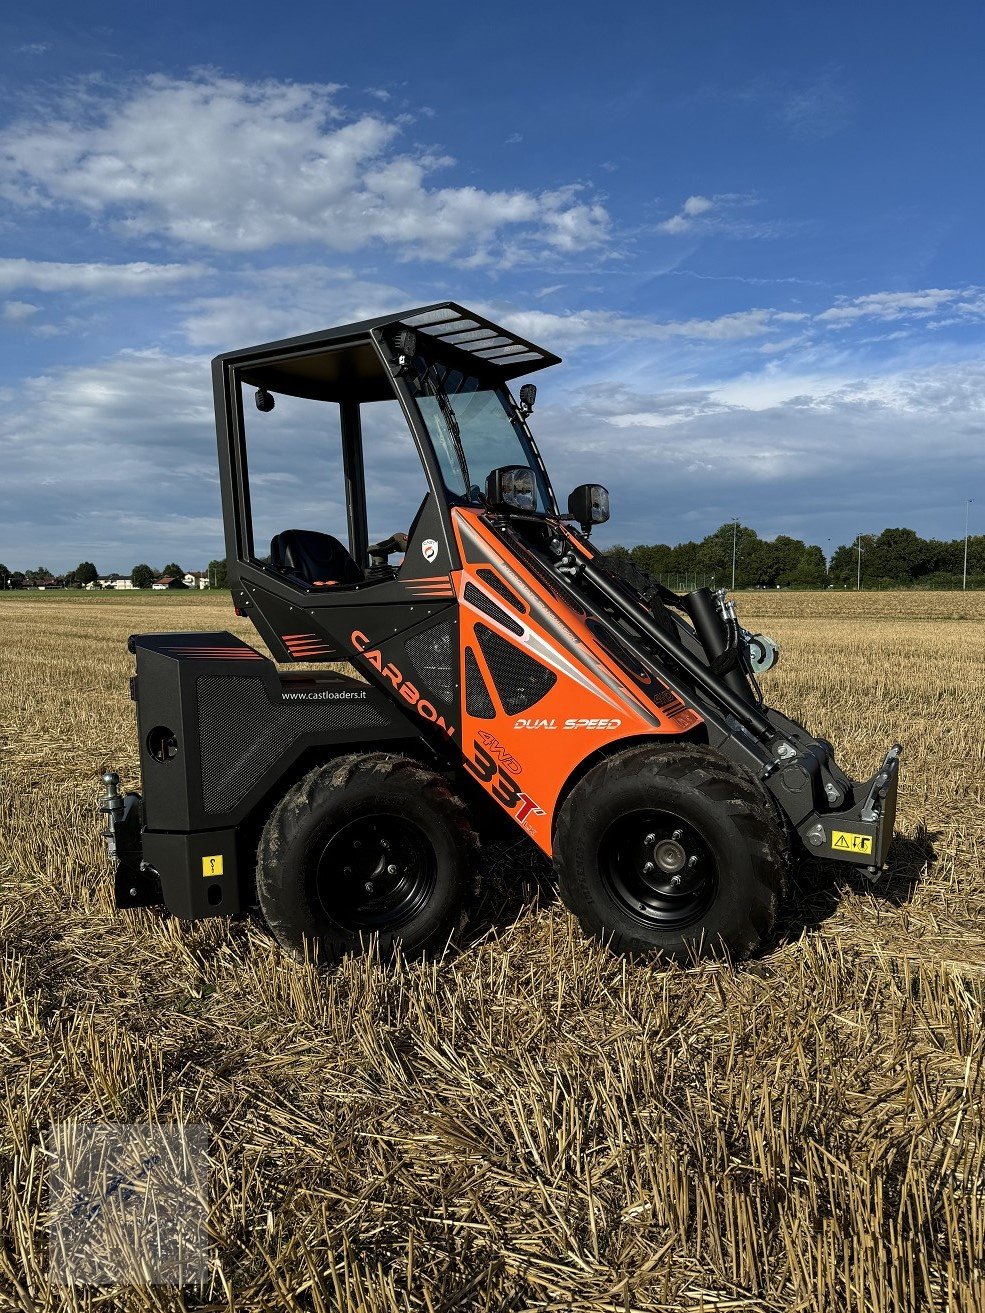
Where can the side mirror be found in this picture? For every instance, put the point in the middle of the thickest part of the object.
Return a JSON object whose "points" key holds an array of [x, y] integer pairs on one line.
{"points": [[589, 504], [528, 395], [512, 486]]}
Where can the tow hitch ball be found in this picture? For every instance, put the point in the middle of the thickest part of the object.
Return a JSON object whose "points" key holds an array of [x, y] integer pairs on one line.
{"points": [[111, 806]]}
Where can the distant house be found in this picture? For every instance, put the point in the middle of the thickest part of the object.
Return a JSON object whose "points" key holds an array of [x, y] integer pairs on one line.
{"points": [[114, 580], [168, 581], [196, 579]]}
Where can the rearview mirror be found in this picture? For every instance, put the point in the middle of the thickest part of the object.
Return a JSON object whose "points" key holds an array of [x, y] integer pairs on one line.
{"points": [[513, 486], [589, 504]]}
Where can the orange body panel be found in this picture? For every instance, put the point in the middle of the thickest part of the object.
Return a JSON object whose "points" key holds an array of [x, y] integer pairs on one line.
{"points": [[524, 760]]}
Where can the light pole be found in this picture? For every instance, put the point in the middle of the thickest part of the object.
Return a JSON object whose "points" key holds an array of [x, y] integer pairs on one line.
{"points": [[967, 512], [858, 579], [735, 540]]}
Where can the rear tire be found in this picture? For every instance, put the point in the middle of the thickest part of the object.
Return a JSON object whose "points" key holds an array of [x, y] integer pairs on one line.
{"points": [[371, 846], [671, 850]]}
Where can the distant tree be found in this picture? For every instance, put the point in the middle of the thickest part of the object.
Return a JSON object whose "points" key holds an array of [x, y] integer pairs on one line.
{"points": [[4, 577], [844, 563], [713, 555], [85, 573], [217, 574], [142, 576], [40, 575], [172, 571], [810, 571], [655, 560], [896, 556], [69, 580], [17, 579]]}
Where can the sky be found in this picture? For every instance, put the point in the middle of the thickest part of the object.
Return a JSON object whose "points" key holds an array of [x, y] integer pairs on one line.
{"points": [[753, 232]]}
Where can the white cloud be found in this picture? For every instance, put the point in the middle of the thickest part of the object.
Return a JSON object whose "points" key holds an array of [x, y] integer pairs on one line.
{"points": [[813, 456], [15, 311], [120, 457], [682, 222], [587, 326], [285, 301], [921, 304], [107, 279], [230, 165], [700, 213], [282, 301]]}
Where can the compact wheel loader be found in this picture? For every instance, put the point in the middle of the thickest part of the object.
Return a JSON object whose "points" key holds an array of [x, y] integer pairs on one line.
{"points": [[510, 676]]}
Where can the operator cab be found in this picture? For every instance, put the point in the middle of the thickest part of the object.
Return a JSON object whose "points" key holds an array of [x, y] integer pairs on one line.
{"points": [[343, 453]]}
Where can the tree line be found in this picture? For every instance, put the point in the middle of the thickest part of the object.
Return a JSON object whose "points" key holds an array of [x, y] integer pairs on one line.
{"points": [[86, 575], [895, 558]]}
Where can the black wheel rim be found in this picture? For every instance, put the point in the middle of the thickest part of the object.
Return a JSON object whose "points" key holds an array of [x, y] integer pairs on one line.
{"points": [[658, 868], [375, 873]]}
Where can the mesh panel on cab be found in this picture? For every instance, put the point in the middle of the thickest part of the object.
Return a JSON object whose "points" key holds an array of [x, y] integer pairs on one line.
{"points": [[431, 655], [520, 680], [478, 703], [242, 733], [498, 585], [483, 603]]}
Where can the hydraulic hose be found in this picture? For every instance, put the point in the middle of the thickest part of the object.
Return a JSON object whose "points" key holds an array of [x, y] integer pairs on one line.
{"points": [[711, 628], [741, 707]]}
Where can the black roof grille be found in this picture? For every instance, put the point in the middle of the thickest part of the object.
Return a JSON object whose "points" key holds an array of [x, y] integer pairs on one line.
{"points": [[450, 324], [467, 331]]}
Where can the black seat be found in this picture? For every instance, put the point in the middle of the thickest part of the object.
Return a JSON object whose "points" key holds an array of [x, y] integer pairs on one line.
{"points": [[317, 558]]}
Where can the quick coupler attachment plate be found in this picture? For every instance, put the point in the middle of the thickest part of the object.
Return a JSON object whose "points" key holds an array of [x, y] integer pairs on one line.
{"points": [[862, 834]]}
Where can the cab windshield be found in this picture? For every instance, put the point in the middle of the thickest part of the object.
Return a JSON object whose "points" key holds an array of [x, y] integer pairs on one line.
{"points": [[474, 429]]}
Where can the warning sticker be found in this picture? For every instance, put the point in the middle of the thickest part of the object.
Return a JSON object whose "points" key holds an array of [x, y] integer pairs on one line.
{"points": [[212, 865], [847, 842]]}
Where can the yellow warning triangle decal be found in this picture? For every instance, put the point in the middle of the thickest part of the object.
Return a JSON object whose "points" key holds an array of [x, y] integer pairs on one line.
{"points": [[841, 842]]}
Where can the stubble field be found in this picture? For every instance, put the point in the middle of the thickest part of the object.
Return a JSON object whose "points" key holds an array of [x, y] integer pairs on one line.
{"points": [[528, 1123]]}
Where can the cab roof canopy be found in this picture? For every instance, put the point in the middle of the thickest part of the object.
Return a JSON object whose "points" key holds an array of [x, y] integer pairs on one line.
{"points": [[341, 364]]}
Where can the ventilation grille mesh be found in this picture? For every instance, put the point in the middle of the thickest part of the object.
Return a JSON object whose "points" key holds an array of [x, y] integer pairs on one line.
{"points": [[478, 703], [431, 654], [483, 603], [491, 578], [520, 681], [242, 734]]}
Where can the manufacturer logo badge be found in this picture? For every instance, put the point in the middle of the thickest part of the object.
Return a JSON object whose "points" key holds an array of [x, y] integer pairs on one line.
{"points": [[429, 549]]}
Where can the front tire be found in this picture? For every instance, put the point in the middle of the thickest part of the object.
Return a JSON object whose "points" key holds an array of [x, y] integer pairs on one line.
{"points": [[371, 846], [671, 850]]}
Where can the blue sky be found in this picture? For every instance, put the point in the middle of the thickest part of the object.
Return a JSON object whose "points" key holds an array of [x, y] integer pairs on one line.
{"points": [[753, 232]]}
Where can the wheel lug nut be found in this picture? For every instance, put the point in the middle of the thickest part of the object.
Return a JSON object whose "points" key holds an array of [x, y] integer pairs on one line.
{"points": [[678, 835], [648, 867], [650, 838], [369, 886], [675, 880], [392, 870], [692, 861]]}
